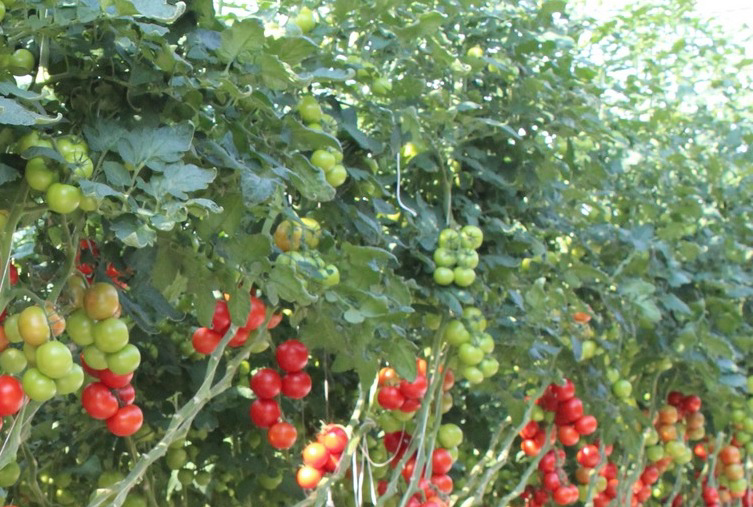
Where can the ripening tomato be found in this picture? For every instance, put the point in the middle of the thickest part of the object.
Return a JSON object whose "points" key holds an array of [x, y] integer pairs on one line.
{"points": [[691, 403], [126, 421], [308, 477], [282, 435], [98, 401], [292, 355], [101, 301], [388, 376], [113, 380], [264, 413], [266, 383], [33, 326], [11, 395], [205, 340], [296, 385], [730, 455], [333, 438], [315, 455]]}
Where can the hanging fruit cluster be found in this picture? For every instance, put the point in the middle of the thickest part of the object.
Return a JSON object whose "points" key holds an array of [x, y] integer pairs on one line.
{"points": [[111, 399], [267, 384], [54, 169], [322, 456], [329, 159], [473, 345], [291, 237], [205, 340], [456, 257]]}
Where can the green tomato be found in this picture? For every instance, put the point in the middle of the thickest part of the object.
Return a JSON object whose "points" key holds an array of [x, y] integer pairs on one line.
{"points": [[464, 277], [110, 335], [654, 453], [203, 478], [323, 159], [54, 359], [10, 326], [750, 384], [403, 417], [738, 486], [176, 458], [305, 20], [537, 414], [470, 355], [330, 275], [185, 476], [71, 382], [309, 110], [38, 386], [97, 359], [337, 175], [135, 500], [62, 198], [456, 334], [449, 239], [473, 375], [125, 360], [486, 343], [21, 62], [443, 276], [9, 474], [32, 140], [468, 258], [622, 389], [381, 86], [737, 415], [83, 167], [2, 11], [79, 327], [71, 149], [450, 435], [587, 349], [88, 203], [270, 482], [444, 257], [13, 361], [337, 154], [432, 321], [475, 318], [38, 175], [109, 478], [471, 237], [674, 448], [489, 367], [388, 423], [475, 52]]}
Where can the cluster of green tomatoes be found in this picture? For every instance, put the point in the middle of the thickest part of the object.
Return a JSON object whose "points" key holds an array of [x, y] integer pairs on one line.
{"points": [[53, 168], [456, 257], [473, 346], [329, 160]]}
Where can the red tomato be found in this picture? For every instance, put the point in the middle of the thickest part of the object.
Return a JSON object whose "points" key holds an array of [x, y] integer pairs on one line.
{"points": [[588, 456], [601, 500], [710, 495], [441, 461], [691, 403], [126, 395], [414, 390], [408, 468], [113, 380], [292, 355], [381, 487], [296, 385], [315, 455], [221, 317], [650, 475], [264, 413], [564, 495], [396, 441], [332, 462], [569, 411], [675, 398], [13, 275], [266, 383], [308, 477], [205, 340], [448, 380], [550, 460], [274, 321], [410, 405], [551, 481], [390, 398], [98, 401], [586, 425], [564, 392], [11, 395], [282, 435], [257, 315], [126, 421], [443, 483], [334, 439], [530, 429], [568, 435], [609, 471]]}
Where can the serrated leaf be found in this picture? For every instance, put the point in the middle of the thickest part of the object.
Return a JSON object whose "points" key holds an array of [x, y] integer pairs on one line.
{"points": [[364, 141], [13, 113], [178, 179], [292, 50], [132, 232], [310, 181], [103, 135], [116, 174], [427, 24], [155, 147], [242, 40], [154, 9], [9, 88], [306, 139], [239, 306], [7, 173], [256, 189], [99, 190]]}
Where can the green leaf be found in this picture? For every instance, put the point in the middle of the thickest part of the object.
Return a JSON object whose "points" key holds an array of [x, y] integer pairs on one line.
{"points": [[9, 88], [306, 139], [132, 232], [277, 74], [154, 9], [285, 284], [99, 190], [242, 40], [7, 173], [13, 113], [239, 306], [552, 6], [103, 135], [178, 179], [427, 24], [155, 147], [323, 75], [292, 50], [353, 316], [310, 181], [402, 356], [116, 174]]}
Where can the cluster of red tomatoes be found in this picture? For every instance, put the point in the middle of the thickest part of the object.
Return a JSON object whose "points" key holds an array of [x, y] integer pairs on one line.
{"points": [[396, 393], [322, 456], [432, 487], [205, 340], [267, 384], [87, 269], [570, 421], [111, 399]]}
